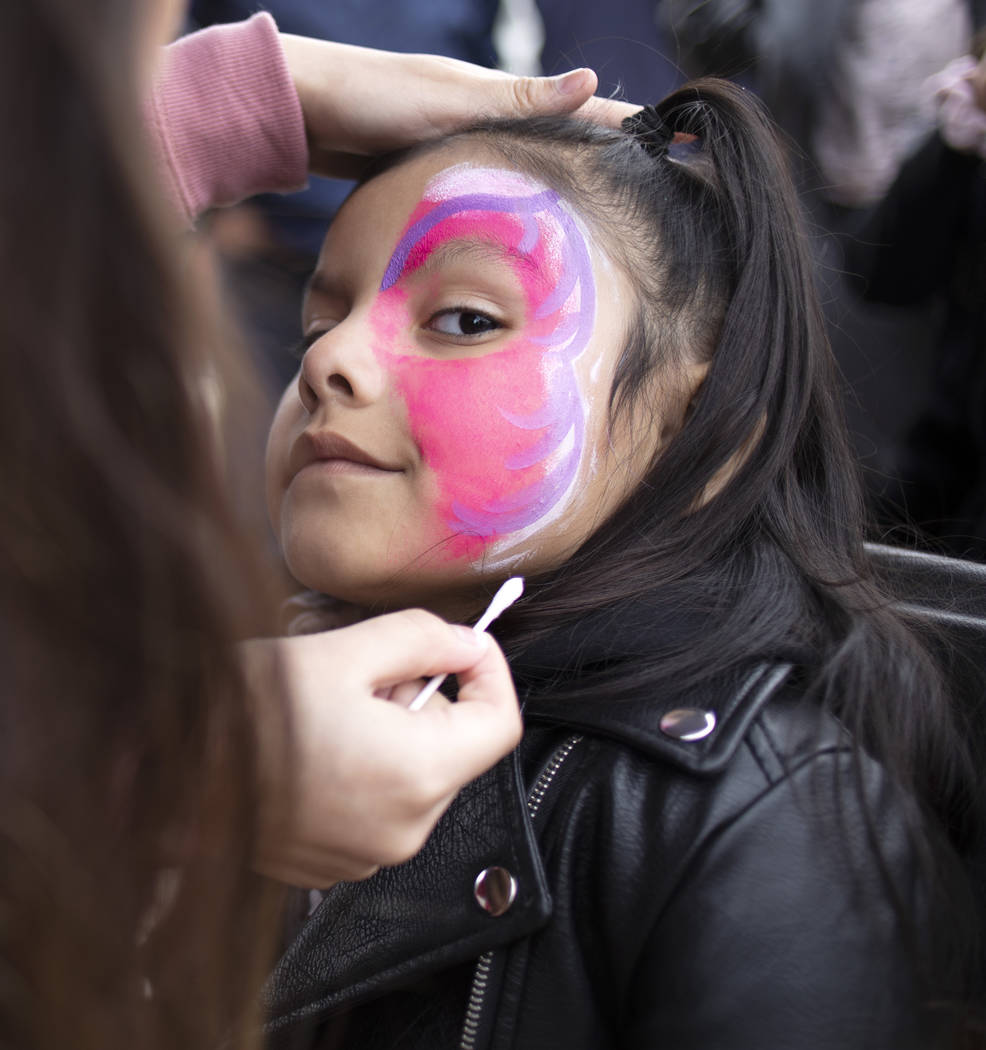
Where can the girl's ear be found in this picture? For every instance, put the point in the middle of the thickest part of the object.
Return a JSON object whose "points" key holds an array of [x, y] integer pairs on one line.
{"points": [[725, 473], [692, 376]]}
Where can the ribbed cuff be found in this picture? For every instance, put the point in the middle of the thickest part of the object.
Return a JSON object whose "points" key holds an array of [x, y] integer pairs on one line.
{"points": [[226, 118]]}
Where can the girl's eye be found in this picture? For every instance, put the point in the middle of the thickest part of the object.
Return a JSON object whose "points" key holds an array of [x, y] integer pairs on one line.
{"points": [[458, 322]]}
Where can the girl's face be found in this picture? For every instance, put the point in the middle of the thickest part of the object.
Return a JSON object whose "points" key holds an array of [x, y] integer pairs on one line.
{"points": [[448, 427]]}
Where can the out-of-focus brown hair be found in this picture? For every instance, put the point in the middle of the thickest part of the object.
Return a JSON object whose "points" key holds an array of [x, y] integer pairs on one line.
{"points": [[128, 787]]}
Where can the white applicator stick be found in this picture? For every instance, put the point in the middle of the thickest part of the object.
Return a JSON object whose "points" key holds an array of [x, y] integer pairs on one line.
{"points": [[502, 600]]}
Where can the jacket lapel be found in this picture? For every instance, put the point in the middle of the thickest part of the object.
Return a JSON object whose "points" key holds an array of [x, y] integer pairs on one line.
{"points": [[421, 917]]}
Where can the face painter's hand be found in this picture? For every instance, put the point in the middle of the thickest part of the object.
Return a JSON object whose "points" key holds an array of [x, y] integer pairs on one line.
{"points": [[365, 780], [359, 102]]}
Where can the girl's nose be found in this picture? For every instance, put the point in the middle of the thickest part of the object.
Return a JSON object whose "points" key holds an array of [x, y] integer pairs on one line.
{"points": [[341, 366]]}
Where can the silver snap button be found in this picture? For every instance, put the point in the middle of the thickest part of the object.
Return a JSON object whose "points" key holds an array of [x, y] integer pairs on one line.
{"points": [[688, 723], [495, 890]]}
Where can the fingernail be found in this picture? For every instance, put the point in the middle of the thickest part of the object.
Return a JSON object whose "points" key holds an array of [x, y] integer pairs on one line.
{"points": [[570, 83], [467, 634]]}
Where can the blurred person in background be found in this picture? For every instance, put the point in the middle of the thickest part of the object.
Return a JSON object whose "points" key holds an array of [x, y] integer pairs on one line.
{"points": [[845, 80], [925, 242]]}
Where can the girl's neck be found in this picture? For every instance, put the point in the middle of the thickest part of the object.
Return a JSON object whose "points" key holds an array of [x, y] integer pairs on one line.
{"points": [[461, 604], [311, 610]]}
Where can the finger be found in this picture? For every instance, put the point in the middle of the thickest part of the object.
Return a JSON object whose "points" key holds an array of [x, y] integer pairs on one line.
{"points": [[609, 112], [482, 727], [403, 646], [543, 96]]}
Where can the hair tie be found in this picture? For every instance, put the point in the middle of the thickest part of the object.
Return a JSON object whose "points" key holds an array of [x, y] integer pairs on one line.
{"points": [[650, 131], [647, 126]]}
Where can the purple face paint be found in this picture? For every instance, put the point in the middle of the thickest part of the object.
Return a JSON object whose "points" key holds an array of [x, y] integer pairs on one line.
{"points": [[504, 433]]}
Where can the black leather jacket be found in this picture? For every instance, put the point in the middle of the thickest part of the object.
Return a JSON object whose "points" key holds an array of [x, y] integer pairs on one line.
{"points": [[716, 892]]}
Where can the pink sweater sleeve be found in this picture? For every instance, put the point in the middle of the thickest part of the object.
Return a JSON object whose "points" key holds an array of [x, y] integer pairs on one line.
{"points": [[224, 118]]}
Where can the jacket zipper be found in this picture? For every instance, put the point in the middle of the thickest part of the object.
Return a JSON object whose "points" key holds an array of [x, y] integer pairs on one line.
{"points": [[477, 993]]}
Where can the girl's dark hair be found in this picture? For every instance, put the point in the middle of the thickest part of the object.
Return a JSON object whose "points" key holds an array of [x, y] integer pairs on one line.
{"points": [[752, 512], [128, 917]]}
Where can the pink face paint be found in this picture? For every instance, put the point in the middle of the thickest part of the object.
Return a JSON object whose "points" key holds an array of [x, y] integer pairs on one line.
{"points": [[504, 433]]}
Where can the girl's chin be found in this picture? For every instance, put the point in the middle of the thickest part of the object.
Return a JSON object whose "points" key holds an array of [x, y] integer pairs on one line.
{"points": [[460, 599]]}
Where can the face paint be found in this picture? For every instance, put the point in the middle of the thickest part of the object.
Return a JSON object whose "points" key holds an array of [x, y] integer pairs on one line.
{"points": [[503, 433]]}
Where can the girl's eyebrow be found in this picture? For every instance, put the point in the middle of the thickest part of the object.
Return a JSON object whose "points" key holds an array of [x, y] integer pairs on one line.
{"points": [[478, 249]]}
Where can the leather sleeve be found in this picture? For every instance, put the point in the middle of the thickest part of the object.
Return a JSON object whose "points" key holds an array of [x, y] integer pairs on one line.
{"points": [[781, 931]]}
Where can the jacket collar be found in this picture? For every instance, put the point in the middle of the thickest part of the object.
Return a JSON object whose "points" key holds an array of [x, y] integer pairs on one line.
{"points": [[722, 709], [614, 638]]}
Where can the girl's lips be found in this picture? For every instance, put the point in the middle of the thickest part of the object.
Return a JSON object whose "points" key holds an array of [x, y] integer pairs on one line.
{"points": [[344, 466], [334, 454]]}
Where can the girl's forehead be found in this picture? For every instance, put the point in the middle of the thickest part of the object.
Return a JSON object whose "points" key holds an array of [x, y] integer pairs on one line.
{"points": [[458, 170], [453, 192], [468, 178], [393, 195]]}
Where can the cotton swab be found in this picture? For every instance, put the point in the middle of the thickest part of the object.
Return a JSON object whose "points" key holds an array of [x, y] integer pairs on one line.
{"points": [[511, 590]]}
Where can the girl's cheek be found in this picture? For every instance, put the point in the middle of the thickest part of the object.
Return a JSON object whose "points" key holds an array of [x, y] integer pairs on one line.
{"points": [[487, 469]]}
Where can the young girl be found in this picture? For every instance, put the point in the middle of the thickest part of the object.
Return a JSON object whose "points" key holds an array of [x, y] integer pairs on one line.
{"points": [[595, 358]]}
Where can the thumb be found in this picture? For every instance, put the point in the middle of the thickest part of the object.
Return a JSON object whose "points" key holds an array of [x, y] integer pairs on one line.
{"points": [[548, 96]]}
